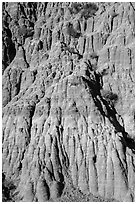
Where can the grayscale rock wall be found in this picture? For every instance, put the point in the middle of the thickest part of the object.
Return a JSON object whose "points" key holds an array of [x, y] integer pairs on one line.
{"points": [[68, 101]]}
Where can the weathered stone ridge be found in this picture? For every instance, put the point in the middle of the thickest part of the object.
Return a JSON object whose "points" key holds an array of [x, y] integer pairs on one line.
{"points": [[68, 100]]}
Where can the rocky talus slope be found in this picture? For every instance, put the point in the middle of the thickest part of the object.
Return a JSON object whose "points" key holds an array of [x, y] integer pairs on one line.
{"points": [[68, 101]]}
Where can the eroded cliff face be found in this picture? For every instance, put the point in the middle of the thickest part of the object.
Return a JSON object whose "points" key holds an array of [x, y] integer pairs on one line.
{"points": [[68, 101]]}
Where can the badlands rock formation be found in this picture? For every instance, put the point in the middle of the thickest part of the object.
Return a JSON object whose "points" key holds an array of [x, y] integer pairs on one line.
{"points": [[68, 101]]}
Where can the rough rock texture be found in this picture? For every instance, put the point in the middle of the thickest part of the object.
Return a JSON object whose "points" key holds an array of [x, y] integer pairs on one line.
{"points": [[68, 101]]}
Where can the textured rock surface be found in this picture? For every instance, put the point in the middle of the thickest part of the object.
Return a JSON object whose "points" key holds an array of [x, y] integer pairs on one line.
{"points": [[68, 101]]}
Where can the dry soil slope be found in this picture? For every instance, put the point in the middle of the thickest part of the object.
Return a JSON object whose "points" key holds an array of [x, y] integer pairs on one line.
{"points": [[68, 99]]}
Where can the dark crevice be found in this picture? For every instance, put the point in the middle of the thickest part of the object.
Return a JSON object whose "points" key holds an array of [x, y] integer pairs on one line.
{"points": [[132, 5], [108, 54], [19, 84], [19, 166], [95, 86], [130, 142], [112, 116], [112, 21], [71, 50], [111, 24], [85, 25], [31, 113], [35, 74], [24, 55], [84, 46], [92, 42], [95, 159], [8, 47]]}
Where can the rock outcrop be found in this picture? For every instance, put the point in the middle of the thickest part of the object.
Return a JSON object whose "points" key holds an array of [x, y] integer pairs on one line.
{"points": [[68, 101]]}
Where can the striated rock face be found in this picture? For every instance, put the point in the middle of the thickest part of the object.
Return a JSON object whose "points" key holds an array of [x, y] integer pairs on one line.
{"points": [[68, 101]]}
